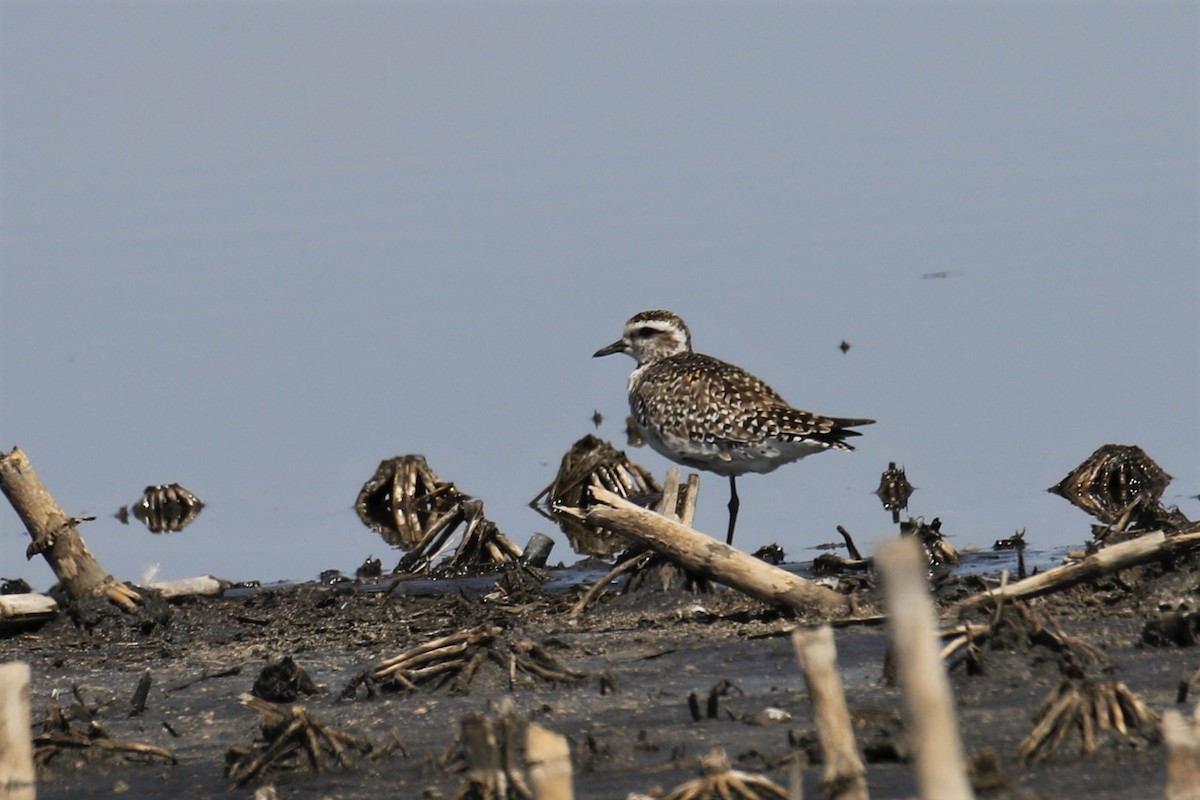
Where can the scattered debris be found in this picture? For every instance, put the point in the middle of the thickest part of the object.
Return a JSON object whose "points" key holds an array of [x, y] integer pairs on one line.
{"points": [[140, 695], [286, 731], [894, 491], [712, 707], [164, 508], [592, 461], [58, 736], [1097, 710], [454, 660], [1016, 627]]}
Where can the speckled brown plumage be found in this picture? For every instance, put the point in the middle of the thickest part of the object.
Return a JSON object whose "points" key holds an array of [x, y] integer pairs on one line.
{"points": [[706, 413]]}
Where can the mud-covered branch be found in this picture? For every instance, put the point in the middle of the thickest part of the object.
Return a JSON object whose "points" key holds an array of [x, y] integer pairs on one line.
{"points": [[1108, 560], [706, 556]]}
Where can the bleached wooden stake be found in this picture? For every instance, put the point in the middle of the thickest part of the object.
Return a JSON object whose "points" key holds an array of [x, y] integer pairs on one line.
{"points": [[549, 759], [941, 770], [844, 777], [16, 740], [1182, 736]]}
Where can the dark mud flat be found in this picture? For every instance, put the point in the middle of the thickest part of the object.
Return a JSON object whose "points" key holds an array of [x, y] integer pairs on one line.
{"points": [[628, 721]]}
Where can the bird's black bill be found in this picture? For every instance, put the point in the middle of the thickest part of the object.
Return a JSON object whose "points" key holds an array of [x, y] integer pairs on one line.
{"points": [[616, 347]]}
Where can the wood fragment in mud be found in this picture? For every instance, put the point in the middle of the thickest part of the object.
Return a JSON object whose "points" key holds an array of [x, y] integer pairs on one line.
{"points": [[206, 674], [17, 776], [1148, 547], [140, 695], [851, 549], [844, 777], [940, 766], [704, 555], [199, 586], [1018, 622], [287, 731], [54, 535], [18, 610], [1182, 737]]}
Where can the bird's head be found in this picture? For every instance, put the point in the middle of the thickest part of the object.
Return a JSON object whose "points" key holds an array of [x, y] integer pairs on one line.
{"points": [[651, 336]]}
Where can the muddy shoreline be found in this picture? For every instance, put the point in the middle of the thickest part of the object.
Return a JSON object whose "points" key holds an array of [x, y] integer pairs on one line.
{"points": [[628, 720]]}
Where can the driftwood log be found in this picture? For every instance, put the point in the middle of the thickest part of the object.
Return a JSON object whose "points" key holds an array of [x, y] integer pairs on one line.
{"points": [[55, 535], [701, 554], [1149, 547], [16, 743], [844, 777], [941, 769]]}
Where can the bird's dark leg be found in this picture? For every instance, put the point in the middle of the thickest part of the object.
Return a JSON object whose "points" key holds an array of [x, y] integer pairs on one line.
{"points": [[733, 508]]}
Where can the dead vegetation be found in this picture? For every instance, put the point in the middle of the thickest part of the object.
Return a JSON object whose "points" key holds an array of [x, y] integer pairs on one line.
{"points": [[412, 508], [60, 734], [289, 732], [453, 662], [719, 781]]}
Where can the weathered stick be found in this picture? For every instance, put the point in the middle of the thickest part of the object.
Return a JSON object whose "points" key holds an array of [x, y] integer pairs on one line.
{"points": [[941, 771], [200, 586], [16, 740], [696, 552], [55, 536], [844, 777], [1182, 737], [1147, 547], [22, 609], [548, 757]]}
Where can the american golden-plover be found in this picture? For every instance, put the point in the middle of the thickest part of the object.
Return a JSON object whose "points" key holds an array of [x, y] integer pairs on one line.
{"points": [[707, 414]]}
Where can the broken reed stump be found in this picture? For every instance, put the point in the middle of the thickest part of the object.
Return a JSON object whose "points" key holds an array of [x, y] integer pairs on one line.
{"points": [[490, 751], [844, 777], [704, 555], [17, 780], [55, 535], [1149, 547], [548, 756], [941, 769], [1182, 735]]}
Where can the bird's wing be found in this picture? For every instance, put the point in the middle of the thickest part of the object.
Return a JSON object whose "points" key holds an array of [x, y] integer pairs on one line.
{"points": [[702, 399]]}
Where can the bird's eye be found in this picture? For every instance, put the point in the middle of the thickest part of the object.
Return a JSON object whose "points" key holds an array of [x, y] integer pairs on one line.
{"points": [[646, 332]]}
